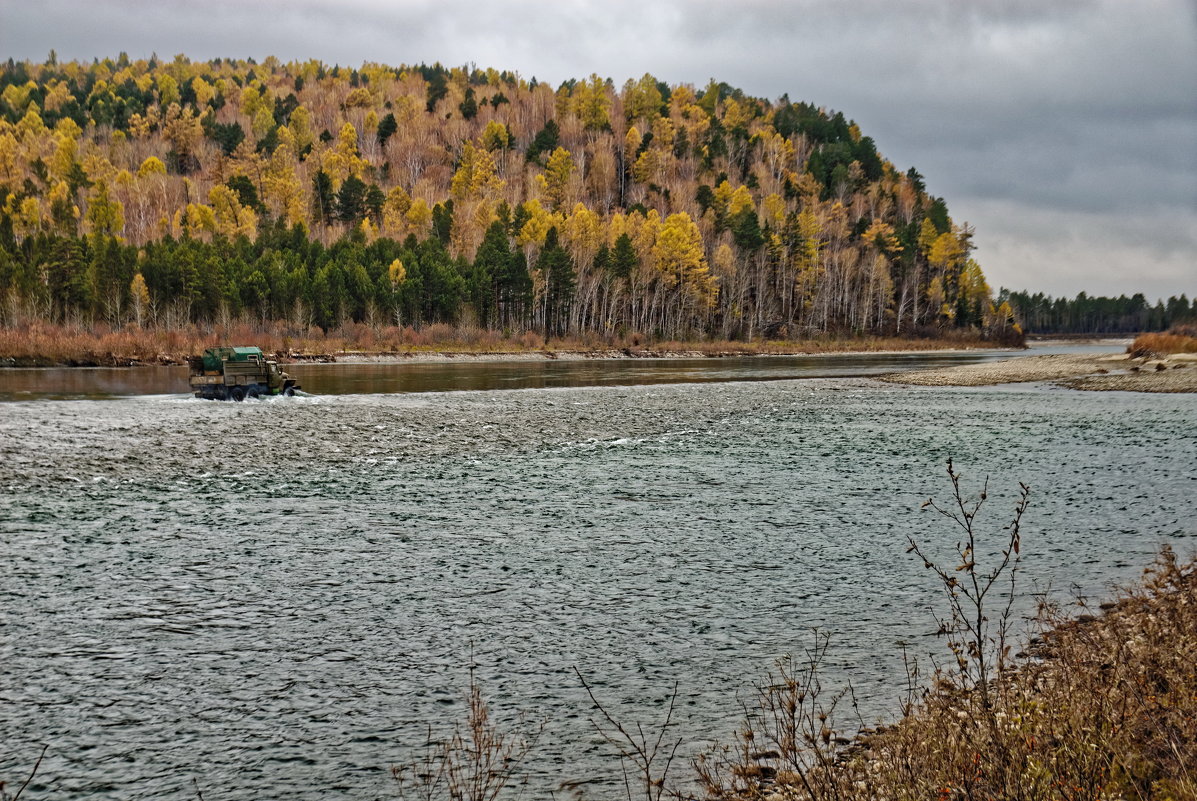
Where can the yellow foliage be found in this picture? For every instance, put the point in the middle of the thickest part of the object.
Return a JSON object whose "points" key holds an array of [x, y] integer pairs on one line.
{"points": [[31, 126], [60, 193], [419, 218], [168, 90], [647, 168], [642, 100], [735, 114], [397, 273], [342, 159], [17, 97], [631, 142], [204, 91], [725, 260], [151, 166], [139, 126], [98, 168], [928, 233], [537, 227], [663, 133], [642, 230], [679, 256], [281, 188], [300, 125], [810, 230], [495, 136], [741, 200], [231, 218], [591, 104], [394, 211], [881, 235], [263, 122], [68, 127], [554, 181], [182, 129], [195, 220], [946, 251], [8, 156], [774, 210], [140, 294], [582, 233], [475, 176], [27, 219], [65, 150], [359, 98], [58, 96], [105, 216]]}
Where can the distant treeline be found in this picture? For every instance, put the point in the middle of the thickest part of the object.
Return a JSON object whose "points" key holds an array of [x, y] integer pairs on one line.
{"points": [[1042, 314]]}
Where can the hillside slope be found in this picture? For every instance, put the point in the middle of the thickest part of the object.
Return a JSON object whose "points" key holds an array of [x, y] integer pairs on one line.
{"points": [[175, 192]]}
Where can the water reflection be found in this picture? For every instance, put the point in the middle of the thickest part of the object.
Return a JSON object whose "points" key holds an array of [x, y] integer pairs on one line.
{"points": [[354, 379]]}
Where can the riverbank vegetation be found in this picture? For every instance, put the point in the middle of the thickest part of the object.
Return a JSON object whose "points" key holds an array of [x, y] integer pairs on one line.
{"points": [[171, 193], [1098, 707], [98, 345], [1180, 339]]}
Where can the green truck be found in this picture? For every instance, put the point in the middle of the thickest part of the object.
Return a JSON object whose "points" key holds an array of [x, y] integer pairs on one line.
{"points": [[237, 374]]}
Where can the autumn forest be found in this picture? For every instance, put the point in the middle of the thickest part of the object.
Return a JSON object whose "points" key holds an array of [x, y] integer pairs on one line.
{"points": [[169, 193]]}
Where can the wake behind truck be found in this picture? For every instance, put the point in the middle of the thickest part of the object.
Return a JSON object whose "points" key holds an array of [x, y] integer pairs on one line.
{"points": [[237, 374]]}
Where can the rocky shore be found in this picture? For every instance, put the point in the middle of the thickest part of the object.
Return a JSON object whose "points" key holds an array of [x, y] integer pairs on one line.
{"points": [[1108, 372]]}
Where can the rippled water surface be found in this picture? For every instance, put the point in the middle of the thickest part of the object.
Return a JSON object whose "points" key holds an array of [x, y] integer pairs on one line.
{"points": [[276, 598]]}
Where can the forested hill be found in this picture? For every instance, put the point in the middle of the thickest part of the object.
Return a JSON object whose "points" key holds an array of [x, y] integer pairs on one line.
{"points": [[165, 192]]}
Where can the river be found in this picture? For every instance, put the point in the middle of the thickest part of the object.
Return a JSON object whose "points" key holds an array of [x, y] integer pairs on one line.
{"points": [[275, 599]]}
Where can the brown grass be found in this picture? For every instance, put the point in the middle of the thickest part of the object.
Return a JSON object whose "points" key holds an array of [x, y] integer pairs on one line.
{"points": [[43, 344], [1177, 340], [1099, 707]]}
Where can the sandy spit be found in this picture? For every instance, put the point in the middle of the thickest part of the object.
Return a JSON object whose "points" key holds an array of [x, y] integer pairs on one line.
{"points": [[449, 357], [1112, 371]]}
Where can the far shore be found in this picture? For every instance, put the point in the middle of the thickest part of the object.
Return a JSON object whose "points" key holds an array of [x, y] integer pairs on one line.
{"points": [[449, 357], [1095, 372], [91, 355]]}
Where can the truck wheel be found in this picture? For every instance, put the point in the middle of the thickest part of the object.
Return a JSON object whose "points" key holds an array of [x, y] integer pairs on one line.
{"points": [[289, 392], [237, 394], [253, 393]]}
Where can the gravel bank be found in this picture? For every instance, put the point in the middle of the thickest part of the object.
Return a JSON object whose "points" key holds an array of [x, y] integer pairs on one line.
{"points": [[1113, 371]]}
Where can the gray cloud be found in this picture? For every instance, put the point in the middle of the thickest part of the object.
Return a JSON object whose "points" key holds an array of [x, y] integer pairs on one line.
{"points": [[1066, 132]]}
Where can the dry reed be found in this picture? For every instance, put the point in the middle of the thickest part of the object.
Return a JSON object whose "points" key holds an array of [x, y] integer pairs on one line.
{"points": [[93, 345]]}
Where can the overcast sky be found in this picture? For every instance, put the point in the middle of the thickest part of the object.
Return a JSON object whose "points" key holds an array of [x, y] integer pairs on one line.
{"points": [[1064, 131]]}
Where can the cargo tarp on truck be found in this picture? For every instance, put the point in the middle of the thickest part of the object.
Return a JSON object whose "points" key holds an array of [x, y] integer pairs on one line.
{"points": [[214, 358]]}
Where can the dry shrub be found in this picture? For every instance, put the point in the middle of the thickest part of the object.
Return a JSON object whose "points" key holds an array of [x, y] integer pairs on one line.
{"points": [[78, 343], [478, 760], [1099, 707], [1163, 344], [531, 340]]}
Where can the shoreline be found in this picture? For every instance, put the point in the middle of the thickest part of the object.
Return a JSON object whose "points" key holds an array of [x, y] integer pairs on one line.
{"points": [[448, 354], [1103, 372], [615, 354]]}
